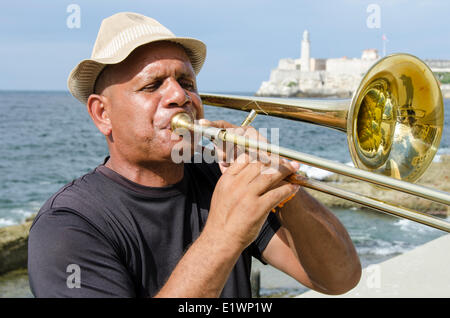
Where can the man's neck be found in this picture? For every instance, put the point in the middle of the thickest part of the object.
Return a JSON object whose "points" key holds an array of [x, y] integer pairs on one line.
{"points": [[160, 174]]}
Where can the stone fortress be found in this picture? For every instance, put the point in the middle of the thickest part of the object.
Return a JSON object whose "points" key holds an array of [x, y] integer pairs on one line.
{"points": [[333, 77]]}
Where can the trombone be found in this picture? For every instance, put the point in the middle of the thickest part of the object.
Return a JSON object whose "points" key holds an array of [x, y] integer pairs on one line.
{"points": [[393, 122]]}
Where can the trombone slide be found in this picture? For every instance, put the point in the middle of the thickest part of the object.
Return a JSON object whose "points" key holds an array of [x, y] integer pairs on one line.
{"points": [[182, 120]]}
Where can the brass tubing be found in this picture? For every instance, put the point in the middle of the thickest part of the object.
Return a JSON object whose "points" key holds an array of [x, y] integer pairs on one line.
{"points": [[374, 203], [182, 120], [328, 113], [414, 189]]}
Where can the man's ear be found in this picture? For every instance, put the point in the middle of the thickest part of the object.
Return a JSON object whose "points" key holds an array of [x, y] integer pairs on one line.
{"points": [[97, 106]]}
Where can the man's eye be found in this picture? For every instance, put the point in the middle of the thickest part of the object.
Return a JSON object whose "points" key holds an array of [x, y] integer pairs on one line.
{"points": [[187, 84], [151, 87]]}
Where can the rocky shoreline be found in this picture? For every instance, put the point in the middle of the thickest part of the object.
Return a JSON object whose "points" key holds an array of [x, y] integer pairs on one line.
{"points": [[14, 239], [285, 89], [14, 246]]}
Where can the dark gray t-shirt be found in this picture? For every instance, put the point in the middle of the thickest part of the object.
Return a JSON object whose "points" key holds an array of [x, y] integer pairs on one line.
{"points": [[103, 235]]}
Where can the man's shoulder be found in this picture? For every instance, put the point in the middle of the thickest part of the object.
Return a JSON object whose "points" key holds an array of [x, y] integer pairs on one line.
{"points": [[75, 192], [80, 198]]}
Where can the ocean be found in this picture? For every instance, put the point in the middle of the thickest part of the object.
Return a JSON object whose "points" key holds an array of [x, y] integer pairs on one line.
{"points": [[47, 139]]}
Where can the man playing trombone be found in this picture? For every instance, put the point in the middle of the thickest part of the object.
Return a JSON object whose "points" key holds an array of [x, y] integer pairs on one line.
{"points": [[140, 225]]}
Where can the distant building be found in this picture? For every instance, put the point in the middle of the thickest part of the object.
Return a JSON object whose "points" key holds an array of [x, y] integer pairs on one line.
{"points": [[305, 55], [309, 76]]}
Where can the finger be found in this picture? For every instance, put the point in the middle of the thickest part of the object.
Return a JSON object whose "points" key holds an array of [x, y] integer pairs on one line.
{"points": [[216, 123], [246, 161], [218, 145], [240, 163], [294, 164], [229, 151], [272, 198], [249, 173], [204, 122], [270, 177], [275, 159]]}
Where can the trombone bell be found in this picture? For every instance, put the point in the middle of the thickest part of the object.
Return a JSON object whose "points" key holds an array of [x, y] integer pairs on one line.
{"points": [[396, 118]]}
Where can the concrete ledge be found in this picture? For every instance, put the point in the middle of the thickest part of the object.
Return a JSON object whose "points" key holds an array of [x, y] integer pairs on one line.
{"points": [[420, 273]]}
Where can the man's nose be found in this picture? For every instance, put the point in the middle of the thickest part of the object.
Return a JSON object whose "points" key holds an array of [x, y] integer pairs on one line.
{"points": [[175, 95]]}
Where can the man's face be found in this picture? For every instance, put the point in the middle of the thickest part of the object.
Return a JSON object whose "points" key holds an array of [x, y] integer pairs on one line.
{"points": [[152, 85]]}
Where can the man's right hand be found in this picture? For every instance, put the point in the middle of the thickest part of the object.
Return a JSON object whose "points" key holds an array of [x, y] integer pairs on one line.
{"points": [[247, 191]]}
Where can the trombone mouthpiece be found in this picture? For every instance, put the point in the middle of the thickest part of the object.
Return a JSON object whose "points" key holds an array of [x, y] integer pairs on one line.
{"points": [[181, 120]]}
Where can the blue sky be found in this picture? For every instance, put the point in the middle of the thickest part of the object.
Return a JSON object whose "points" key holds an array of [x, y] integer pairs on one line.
{"points": [[245, 38]]}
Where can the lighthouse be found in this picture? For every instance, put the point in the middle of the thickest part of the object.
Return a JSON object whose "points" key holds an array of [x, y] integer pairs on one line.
{"points": [[305, 52]]}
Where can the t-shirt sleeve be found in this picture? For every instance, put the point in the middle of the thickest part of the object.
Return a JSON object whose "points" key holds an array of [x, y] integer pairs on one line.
{"points": [[269, 228], [68, 257]]}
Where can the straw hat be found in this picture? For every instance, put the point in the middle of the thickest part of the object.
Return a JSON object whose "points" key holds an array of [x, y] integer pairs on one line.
{"points": [[118, 36]]}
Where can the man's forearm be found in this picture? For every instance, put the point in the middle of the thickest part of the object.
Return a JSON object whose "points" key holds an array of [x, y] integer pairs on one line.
{"points": [[203, 270], [322, 244]]}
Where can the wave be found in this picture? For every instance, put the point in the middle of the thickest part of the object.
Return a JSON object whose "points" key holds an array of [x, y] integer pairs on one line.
{"points": [[7, 222], [414, 227], [380, 247], [14, 216]]}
